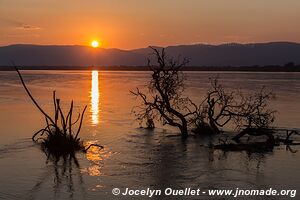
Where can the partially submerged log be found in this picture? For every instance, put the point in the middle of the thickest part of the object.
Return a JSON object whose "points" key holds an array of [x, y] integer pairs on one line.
{"points": [[255, 132], [287, 140], [259, 146]]}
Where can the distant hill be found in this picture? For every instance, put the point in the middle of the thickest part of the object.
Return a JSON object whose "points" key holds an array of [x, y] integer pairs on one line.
{"points": [[275, 53]]}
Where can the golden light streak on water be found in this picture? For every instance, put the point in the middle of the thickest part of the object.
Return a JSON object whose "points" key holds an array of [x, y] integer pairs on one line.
{"points": [[95, 98], [95, 155]]}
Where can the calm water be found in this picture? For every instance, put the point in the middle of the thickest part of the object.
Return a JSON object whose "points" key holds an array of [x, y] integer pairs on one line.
{"points": [[133, 157]]}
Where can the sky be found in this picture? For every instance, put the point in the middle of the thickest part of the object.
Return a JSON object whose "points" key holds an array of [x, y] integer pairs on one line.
{"points": [[130, 24]]}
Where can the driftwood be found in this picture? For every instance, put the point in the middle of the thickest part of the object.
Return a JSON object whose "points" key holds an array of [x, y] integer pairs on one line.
{"points": [[255, 132], [287, 140], [265, 146]]}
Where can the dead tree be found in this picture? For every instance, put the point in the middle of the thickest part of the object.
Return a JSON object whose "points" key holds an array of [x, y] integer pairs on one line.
{"points": [[164, 100], [221, 107], [217, 109], [58, 137], [255, 116]]}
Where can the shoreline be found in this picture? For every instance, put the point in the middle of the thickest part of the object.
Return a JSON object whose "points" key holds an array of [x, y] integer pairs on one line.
{"points": [[145, 68]]}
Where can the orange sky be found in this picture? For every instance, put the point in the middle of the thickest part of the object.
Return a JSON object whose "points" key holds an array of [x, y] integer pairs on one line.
{"points": [[129, 24]]}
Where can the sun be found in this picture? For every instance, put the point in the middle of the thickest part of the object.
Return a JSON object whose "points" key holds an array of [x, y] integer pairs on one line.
{"points": [[95, 44]]}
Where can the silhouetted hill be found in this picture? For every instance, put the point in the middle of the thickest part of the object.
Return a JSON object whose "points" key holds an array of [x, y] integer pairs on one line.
{"points": [[275, 53]]}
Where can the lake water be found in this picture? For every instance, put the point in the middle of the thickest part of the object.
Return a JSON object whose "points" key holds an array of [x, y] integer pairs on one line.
{"points": [[133, 157]]}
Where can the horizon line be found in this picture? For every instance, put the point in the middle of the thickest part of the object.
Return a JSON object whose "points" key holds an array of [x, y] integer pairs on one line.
{"points": [[175, 45]]}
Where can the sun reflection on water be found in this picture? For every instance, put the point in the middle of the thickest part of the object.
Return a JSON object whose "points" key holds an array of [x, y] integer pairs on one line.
{"points": [[95, 156], [95, 98]]}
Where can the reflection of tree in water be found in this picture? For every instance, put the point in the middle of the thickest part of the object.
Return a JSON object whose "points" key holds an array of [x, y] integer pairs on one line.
{"points": [[258, 158], [66, 170], [178, 164], [67, 174], [248, 159]]}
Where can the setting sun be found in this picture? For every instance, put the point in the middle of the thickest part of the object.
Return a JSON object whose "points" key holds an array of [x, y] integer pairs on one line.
{"points": [[95, 44]]}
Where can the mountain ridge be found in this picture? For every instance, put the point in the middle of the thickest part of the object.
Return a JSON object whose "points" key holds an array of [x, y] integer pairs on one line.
{"points": [[228, 54]]}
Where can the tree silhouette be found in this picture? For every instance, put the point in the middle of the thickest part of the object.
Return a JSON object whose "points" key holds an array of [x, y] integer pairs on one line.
{"points": [[164, 100]]}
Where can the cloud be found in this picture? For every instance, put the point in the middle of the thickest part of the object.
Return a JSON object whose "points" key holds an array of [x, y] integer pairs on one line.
{"points": [[18, 25], [28, 27]]}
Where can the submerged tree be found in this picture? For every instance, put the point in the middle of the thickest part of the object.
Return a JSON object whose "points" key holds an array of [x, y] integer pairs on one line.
{"points": [[221, 107], [164, 99], [58, 137], [256, 116]]}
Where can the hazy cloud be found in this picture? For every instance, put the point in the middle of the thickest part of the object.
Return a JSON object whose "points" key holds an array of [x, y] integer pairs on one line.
{"points": [[18, 25], [28, 27]]}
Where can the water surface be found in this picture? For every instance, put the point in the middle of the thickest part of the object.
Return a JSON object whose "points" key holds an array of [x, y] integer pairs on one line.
{"points": [[133, 157]]}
